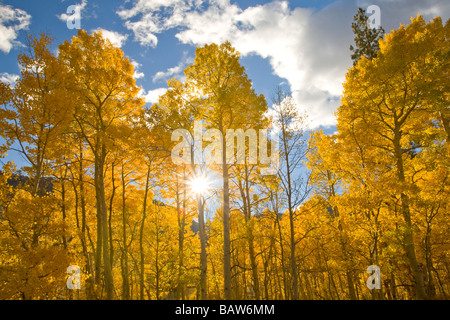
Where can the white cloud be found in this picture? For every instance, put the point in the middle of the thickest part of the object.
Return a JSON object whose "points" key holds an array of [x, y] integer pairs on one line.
{"points": [[137, 73], [216, 24], [156, 16], [163, 75], [78, 10], [145, 6], [394, 13], [152, 96], [115, 37], [11, 22], [9, 78], [309, 48], [174, 72], [303, 47]]}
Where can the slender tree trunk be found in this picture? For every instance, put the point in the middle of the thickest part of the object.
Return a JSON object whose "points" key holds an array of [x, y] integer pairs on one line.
{"points": [[181, 221], [254, 267], [446, 123], [431, 289], [245, 195], [99, 243], [408, 233], [111, 206], [203, 261], [125, 272], [63, 207], [226, 223], [286, 294], [293, 264], [157, 274], [89, 281], [101, 202], [394, 287], [251, 247], [291, 218], [141, 235], [181, 244], [266, 268], [347, 258]]}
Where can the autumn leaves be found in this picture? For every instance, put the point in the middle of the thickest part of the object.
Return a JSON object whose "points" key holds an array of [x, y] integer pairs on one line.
{"points": [[63, 105], [390, 123], [375, 193]]}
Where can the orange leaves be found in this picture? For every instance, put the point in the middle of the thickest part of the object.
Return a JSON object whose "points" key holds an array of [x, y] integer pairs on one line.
{"points": [[39, 106], [102, 81], [384, 160], [223, 85], [30, 237], [117, 202]]}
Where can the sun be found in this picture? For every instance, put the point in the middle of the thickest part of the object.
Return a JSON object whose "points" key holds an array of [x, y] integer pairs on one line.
{"points": [[199, 185]]}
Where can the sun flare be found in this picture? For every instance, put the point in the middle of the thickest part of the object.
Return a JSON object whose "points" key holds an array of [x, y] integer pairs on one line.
{"points": [[199, 185]]}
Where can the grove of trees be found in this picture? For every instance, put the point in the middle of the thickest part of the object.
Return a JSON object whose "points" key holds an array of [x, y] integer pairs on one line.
{"points": [[101, 191]]}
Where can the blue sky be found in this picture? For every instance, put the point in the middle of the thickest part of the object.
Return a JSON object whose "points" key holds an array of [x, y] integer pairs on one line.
{"points": [[300, 44]]}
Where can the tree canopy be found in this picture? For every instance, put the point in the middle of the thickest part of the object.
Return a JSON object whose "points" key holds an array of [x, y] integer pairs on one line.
{"points": [[101, 193]]}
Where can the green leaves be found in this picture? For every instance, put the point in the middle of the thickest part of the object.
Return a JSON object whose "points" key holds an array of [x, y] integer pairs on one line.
{"points": [[366, 39]]}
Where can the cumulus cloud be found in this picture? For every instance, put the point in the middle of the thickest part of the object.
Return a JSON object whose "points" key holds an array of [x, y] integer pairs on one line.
{"points": [[309, 48], [215, 24], [155, 16], [174, 72], [9, 78], [11, 22], [170, 72], [78, 10], [152, 96], [137, 74], [115, 37], [394, 13]]}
